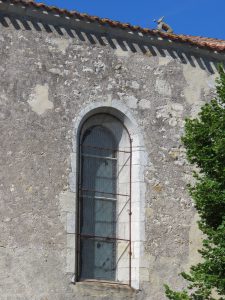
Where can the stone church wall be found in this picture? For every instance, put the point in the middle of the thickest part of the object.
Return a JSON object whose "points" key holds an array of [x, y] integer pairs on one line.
{"points": [[47, 77]]}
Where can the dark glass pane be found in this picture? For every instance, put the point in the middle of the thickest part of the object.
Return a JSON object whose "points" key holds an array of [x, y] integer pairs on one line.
{"points": [[99, 174], [101, 216], [99, 141], [98, 204], [98, 259]]}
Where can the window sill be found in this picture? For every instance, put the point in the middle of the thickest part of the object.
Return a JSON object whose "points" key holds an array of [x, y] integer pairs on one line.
{"points": [[101, 286]]}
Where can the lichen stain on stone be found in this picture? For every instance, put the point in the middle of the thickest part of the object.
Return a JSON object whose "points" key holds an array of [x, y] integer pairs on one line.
{"points": [[158, 188], [29, 189], [149, 212], [148, 54], [174, 153], [39, 99]]}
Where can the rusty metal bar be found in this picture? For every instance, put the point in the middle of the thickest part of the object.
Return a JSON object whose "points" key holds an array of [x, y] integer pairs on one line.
{"points": [[101, 237], [88, 190], [102, 148], [130, 213], [99, 157], [77, 239], [99, 198]]}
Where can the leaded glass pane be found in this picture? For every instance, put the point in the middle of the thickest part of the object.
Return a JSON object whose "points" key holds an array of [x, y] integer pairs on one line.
{"points": [[98, 205], [97, 259]]}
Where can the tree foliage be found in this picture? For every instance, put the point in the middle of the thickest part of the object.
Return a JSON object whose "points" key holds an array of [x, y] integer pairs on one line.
{"points": [[204, 141]]}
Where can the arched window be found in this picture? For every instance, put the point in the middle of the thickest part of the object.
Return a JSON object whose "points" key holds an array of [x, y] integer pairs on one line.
{"points": [[104, 201]]}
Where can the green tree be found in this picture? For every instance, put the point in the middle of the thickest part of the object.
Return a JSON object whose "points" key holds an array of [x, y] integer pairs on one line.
{"points": [[204, 141]]}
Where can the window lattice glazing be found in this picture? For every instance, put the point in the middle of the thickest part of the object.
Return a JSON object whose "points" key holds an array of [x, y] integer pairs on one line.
{"points": [[104, 201], [98, 203]]}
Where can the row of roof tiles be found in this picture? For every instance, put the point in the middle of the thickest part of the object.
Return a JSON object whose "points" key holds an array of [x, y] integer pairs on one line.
{"points": [[201, 42]]}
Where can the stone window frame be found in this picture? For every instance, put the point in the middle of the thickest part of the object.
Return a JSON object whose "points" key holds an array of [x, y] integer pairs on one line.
{"points": [[139, 161], [122, 242]]}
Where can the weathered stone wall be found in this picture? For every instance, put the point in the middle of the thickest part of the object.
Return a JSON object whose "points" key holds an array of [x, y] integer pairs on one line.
{"points": [[46, 79]]}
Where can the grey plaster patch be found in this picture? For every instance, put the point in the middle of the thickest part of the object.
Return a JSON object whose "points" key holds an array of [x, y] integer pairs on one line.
{"points": [[39, 99], [144, 104], [135, 85], [163, 87], [171, 113], [198, 81], [196, 108], [131, 101], [61, 43], [56, 71], [195, 243], [163, 61]]}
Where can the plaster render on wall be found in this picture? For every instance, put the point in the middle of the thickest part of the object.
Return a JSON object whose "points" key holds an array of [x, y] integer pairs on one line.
{"points": [[56, 79]]}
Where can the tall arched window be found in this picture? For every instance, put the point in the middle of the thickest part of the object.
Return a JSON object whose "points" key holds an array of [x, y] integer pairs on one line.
{"points": [[104, 204]]}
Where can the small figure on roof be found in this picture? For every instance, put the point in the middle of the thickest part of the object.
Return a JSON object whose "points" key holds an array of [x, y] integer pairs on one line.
{"points": [[162, 26]]}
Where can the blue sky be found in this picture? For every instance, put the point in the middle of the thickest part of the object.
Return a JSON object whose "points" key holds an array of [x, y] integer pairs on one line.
{"points": [[195, 17]]}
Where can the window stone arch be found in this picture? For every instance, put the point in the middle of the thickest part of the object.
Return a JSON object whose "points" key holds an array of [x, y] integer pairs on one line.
{"points": [[139, 160]]}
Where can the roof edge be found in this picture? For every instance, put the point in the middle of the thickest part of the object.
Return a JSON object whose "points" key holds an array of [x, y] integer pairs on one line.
{"points": [[211, 44]]}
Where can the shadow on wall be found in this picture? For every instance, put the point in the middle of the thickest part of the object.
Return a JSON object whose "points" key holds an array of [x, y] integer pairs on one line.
{"points": [[115, 38]]}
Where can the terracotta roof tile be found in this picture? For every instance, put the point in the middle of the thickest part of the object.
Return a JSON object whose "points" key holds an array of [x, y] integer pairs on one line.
{"points": [[202, 42]]}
